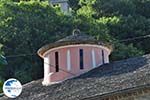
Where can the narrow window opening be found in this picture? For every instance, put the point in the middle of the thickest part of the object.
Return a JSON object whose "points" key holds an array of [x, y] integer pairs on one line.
{"points": [[103, 59], [81, 59], [56, 61]]}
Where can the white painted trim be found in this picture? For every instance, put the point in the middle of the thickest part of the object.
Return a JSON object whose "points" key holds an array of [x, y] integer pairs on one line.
{"points": [[68, 60], [100, 57], [51, 83], [46, 79], [93, 58], [46, 67], [77, 45], [46, 60]]}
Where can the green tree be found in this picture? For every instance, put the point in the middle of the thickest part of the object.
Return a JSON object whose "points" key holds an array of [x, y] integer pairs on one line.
{"points": [[24, 28], [74, 4], [142, 7], [132, 20], [122, 51], [2, 63], [2, 60], [28, 25], [114, 7]]}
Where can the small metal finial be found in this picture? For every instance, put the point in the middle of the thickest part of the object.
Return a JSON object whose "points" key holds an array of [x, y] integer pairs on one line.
{"points": [[76, 32]]}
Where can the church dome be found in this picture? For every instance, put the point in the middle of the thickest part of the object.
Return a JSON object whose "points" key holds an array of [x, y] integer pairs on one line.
{"points": [[76, 37], [72, 56]]}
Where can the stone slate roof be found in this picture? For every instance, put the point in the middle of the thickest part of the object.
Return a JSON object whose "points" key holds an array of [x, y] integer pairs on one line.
{"points": [[75, 38], [108, 78]]}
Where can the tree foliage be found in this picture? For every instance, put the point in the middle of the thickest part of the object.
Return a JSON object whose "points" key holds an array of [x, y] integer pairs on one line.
{"points": [[2, 63], [133, 20], [28, 25], [24, 28]]}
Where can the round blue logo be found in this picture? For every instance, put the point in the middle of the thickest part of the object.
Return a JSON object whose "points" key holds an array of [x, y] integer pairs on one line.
{"points": [[12, 88]]}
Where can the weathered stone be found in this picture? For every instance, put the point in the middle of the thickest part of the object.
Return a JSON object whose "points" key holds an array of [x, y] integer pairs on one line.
{"points": [[125, 77]]}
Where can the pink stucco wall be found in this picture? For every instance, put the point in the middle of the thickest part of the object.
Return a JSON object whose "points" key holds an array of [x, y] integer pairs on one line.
{"points": [[51, 76]]}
